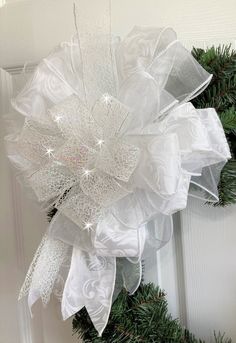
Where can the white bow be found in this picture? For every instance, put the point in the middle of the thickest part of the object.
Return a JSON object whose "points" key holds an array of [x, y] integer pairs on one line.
{"points": [[111, 141]]}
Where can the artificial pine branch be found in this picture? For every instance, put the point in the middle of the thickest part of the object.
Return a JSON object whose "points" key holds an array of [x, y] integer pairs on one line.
{"points": [[142, 317], [228, 120], [227, 184], [219, 61], [221, 338], [221, 94]]}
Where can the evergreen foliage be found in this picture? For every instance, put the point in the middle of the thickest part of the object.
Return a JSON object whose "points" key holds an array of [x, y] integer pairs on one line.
{"points": [[142, 317], [221, 94]]}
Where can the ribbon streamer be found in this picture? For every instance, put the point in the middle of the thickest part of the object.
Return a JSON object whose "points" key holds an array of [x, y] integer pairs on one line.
{"points": [[112, 142]]}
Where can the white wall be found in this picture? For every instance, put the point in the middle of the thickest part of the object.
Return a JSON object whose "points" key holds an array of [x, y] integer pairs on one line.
{"points": [[33, 27], [204, 271]]}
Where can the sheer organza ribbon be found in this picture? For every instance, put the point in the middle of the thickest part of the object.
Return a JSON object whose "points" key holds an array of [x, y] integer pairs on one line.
{"points": [[111, 141]]}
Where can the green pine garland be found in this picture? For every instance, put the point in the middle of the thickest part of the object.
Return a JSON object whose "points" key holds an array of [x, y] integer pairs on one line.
{"points": [[221, 94], [142, 317]]}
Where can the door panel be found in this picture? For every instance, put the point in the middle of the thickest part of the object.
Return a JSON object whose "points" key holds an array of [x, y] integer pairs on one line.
{"points": [[209, 248], [22, 225]]}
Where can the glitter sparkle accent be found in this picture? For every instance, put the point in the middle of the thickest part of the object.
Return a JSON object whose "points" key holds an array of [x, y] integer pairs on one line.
{"points": [[49, 152], [106, 98], [87, 172], [88, 226], [58, 119], [100, 142]]}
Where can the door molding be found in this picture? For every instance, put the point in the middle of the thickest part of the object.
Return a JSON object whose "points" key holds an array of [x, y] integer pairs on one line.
{"points": [[24, 321]]}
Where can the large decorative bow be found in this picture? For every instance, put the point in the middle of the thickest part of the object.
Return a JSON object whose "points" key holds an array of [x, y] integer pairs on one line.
{"points": [[112, 142]]}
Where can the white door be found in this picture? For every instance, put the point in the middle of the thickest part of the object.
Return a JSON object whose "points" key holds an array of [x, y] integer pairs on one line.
{"points": [[197, 268]]}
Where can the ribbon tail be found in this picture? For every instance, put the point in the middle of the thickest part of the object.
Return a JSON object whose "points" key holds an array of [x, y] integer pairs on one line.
{"points": [[44, 270], [90, 283], [132, 275]]}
